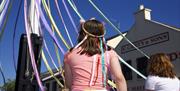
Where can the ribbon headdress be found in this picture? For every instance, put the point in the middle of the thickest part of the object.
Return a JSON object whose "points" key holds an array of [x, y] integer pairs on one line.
{"points": [[82, 22]]}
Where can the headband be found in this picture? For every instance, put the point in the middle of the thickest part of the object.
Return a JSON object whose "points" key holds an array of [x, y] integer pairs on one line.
{"points": [[92, 35]]}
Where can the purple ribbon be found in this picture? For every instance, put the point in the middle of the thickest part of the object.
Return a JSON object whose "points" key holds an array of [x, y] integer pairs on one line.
{"points": [[59, 12], [52, 60], [72, 21], [42, 17], [30, 48], [4, 12]]}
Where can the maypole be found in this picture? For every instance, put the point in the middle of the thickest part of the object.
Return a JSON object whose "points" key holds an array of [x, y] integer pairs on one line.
{"points": [[29, 59]]}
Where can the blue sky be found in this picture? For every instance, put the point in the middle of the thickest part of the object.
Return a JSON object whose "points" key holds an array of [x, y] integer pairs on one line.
{"points": [[118, 11]]}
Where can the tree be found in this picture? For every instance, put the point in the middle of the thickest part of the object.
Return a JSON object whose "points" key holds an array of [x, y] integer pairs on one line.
{"points": [[8, 86]]}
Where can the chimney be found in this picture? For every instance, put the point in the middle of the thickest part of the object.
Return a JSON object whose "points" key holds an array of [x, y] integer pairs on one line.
{"points": [[143, 13]]}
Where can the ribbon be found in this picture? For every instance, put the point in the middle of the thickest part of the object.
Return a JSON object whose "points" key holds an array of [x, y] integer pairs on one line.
{"points": [[2, 18], [46, 63], [116, 28], [48, 67], [53, 23], [123, 61], [42, 17], [50, 70], [75, 9], [103, 62], [52, 60], [56, 48], [4, 12], [57, 55], [70, 17], [60, 15], [30, 48], [93, 69], [2, 5], [2, 73], [72, 1]]}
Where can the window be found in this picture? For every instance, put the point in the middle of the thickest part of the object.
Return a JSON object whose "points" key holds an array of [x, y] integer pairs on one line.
{"points": [[127, 71], [142, 65], [54, 86], [47, 86]]}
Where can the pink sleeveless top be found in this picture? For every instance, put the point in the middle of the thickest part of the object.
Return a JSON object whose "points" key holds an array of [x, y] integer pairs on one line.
{"points": [[81, 69]]}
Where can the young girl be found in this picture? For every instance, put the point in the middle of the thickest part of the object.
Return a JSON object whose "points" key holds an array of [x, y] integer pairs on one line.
{"points": [[161, 75], [87, 65]]}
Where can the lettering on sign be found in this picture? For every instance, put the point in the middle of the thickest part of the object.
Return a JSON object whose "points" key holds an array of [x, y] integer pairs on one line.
{"points": [[136, 88], [174, 55], [156, 39]]}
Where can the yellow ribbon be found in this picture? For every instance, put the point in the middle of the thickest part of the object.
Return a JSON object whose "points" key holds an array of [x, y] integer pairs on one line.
{"points": [[53, 23], [50, 70], [111, 83], [2, 5]]}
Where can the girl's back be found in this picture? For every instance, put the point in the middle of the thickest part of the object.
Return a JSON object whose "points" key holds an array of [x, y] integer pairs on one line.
{"points": [[82, 69]]}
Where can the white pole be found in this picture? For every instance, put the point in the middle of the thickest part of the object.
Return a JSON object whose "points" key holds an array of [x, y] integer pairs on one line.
{"points": [[34, 18]]}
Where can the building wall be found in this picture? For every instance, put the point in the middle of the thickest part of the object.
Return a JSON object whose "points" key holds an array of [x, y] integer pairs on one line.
{"points": [[152, 38]]}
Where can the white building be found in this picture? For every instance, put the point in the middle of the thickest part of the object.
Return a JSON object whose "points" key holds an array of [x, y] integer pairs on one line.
{"points": [[151, 37]]}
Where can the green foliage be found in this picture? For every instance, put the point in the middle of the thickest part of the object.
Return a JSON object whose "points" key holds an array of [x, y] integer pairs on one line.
{"points": [[8, 86]]}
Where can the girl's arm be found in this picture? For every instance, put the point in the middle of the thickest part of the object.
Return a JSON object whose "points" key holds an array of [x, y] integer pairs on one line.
{"points": [[68, 74], [117, 73]]}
